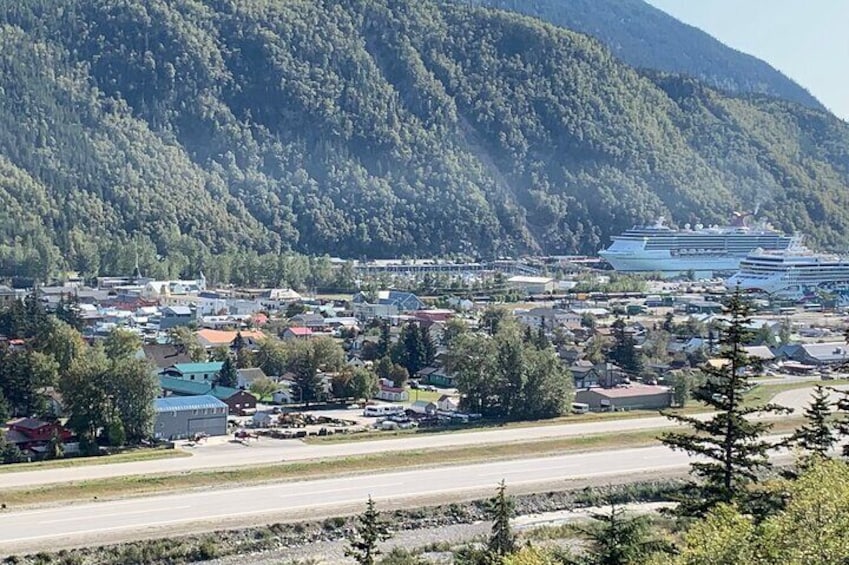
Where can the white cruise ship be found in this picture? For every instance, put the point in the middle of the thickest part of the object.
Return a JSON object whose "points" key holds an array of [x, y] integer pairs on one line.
{"points": [[793, 273], [660, 248]]}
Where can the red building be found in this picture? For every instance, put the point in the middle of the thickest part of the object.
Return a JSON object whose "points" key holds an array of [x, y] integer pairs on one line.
{"points": [[32, 434]]}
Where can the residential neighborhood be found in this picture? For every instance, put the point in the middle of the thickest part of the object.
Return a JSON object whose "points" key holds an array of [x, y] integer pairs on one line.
{"points": [[222, 360]]}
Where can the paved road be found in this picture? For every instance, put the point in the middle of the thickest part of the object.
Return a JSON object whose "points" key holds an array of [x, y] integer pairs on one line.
{"points": [[268, 451], [265, 451], [110, 520]]}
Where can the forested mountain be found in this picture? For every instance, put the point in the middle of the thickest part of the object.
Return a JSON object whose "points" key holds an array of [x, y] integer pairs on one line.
{"points": [[648, 38], [220, 130]]}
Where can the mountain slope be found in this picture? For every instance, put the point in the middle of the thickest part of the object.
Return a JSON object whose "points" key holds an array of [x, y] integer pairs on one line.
{"points": [[205, 134], [646, 37]]}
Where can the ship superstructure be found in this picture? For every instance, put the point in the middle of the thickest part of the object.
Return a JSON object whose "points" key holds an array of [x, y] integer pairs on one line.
{"points": [[660, 248], [792, 273]]}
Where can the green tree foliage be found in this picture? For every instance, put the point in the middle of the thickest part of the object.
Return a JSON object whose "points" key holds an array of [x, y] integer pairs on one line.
{"points": [[23, 375], [399, 376], [454, 328], [9, 452], [732, 448], [263, 387], [306, 358], [624, 352], [228, 375], [111, 396], [356, 383], [196, 135], [817, 436], [121, 344], [414, 349], [186, 340], [385, 342], [502, 540], [812, 528], [631, 27], [370, 531], [384, 367], [617, 539], [271, 357], [501, 376]]}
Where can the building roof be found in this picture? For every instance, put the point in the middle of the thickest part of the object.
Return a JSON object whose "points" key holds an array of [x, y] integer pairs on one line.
{"points": [[521, 279], [632, 390], [210, 367], [180, 403], [830, 351], [164, 355], [214, 338], [300, 331], [252, 374], [178, 310], [195, 388], [761, 352], [28, 423]]}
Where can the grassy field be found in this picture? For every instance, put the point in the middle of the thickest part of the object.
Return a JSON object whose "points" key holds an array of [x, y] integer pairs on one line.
{"points": [[124, 457], [761, 394], [119, 487]]}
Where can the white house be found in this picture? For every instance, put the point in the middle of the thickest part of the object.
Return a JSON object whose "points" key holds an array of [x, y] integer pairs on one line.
{"points": [[448, 403]]}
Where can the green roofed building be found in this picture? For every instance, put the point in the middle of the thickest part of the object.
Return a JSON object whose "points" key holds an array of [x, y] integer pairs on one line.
{"points": [[201, 372], [239, 401]]}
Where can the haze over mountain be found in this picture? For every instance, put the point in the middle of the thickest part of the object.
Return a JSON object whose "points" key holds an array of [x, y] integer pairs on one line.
{"points": [[646, 37], [224, 129]]}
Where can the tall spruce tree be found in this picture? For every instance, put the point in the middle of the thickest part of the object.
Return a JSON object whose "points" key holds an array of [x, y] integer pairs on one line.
{"points": [[228, 375], [385, 341], [817, 435], [624, 351], [428, 347], [502, 540], [370, 531], [733, 448]]}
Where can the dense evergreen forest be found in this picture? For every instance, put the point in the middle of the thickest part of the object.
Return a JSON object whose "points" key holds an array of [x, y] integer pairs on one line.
{"points": [[230, 134], [648, 38]]}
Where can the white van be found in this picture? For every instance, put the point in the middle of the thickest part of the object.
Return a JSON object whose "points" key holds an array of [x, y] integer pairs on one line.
{"points": [[382, 410], [580, 407]]}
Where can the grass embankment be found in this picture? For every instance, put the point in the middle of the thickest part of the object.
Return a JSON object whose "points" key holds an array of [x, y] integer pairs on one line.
{"points": [[131, 456], [762, 394], [148, 484]]}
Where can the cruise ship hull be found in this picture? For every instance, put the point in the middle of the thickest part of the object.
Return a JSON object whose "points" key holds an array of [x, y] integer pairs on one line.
{"points": [[665, 262]]}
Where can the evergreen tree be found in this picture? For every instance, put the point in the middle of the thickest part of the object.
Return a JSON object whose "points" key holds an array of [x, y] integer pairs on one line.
{"points": [[669, 322], [816, 436], [624, 351], [732, 447], [617, 539], [409, 352], [541, 341], [69, 311], [528, 336], [385, 342], [502, 540], [228, 375], [238, 343], [370, 531], [428, 353]]}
